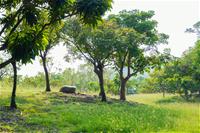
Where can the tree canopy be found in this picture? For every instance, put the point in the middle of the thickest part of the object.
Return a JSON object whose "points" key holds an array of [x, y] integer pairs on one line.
{"points": [[21, 22], [136, 49], [94, 44]]}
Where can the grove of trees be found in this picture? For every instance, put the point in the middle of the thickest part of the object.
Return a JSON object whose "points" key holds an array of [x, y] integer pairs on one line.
{"points": [[180, 75], [126, 43], [24, 31]]}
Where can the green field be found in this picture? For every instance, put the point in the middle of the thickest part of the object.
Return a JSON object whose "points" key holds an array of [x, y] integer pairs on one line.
{"points": [[55, 112]]}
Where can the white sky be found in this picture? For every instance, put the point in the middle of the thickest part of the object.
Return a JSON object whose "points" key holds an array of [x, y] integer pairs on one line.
{"points": [[173, 17]]}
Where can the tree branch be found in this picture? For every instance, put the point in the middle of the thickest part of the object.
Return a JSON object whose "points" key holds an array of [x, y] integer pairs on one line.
{"points": [[2, 65], [4, 46], [5, 26]]}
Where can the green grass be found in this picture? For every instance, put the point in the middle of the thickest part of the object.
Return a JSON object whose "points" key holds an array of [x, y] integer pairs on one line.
{"points": [[189, 112], [56, 112]]}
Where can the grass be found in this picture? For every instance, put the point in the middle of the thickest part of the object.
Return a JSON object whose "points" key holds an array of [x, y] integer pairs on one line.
{"points": [[189, 112], [56, 112]]}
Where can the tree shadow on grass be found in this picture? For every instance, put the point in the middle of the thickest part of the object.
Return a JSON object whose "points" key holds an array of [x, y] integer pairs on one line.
{"points": [[57, 98], [53, 116], [9, 118]]}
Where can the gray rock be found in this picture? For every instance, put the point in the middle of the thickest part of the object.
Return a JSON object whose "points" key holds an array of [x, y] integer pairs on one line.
{"points": [[68, 89]]}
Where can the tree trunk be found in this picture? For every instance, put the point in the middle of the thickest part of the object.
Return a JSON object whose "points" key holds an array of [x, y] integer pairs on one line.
{"points": [[100, 93], [101, 84], [122, 89], [186, 94], [48, 89], [99, 71], [13, 103], [163, 90], [199, 94]]}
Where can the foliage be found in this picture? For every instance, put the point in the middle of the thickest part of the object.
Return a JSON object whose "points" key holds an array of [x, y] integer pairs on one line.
{"points": [[23, 32], [195, 29], [137, 35], [179, 76], [93, 44], [6, 71], [137, 42]]}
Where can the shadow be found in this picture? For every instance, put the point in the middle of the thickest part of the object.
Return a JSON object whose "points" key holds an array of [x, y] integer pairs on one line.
{"points": [[9, 117], [41, 116], [58, 98]]}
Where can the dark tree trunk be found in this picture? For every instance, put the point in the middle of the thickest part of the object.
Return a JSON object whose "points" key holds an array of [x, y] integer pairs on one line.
{"points": [[48, 89], [199, 94], [163, 93], [99, 71], [122, 89], [186, 94], [163, 90], [13, 103], [100, 93], [101, 84]]}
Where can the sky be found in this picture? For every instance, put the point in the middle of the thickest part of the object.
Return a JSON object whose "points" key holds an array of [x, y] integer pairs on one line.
{"points": [[173, 17]]}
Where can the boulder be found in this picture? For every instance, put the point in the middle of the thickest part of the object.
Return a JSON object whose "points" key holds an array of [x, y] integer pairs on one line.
{"points": [[68, 89]]}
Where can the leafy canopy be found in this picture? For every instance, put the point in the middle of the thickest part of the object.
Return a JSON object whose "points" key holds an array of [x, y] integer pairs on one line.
{"points": [[23, 27]]}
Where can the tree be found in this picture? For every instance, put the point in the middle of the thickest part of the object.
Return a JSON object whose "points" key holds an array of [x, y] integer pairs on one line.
{"points": [[16, 12], [181, 75], [13, 103], [23, 31], [53, 37], [191, 62], [195, 29], [6, 71], [137, 38], [95, 45]]}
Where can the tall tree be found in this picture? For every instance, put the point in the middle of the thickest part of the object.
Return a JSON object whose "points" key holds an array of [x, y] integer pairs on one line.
{"points": [[181, 75], [53, 37], [95, 45], [137, 39], [23, 32], [15, 12]]}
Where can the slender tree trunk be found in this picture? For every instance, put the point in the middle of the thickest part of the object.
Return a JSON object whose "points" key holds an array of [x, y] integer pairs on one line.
{"points": [[48, 89], [101, 84], [99, 71], [122, 89], [163, 93], [13, 103], [163, 90], [186, 94], [199, 93]]}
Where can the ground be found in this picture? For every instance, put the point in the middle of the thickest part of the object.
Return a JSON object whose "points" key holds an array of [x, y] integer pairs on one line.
{"points": [[56, 112]]}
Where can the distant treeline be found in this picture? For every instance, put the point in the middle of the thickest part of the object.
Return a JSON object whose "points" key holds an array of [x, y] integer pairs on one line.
{"points": [[182, 75]]}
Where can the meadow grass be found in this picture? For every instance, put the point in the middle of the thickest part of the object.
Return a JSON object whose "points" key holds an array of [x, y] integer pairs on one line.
{"points": [[189, 111], [56, 112]]}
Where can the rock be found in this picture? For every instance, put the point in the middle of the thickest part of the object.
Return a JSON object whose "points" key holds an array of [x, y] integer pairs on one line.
{"points": [[68, 89]]}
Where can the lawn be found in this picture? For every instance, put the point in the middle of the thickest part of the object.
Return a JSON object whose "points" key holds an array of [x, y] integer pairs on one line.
{"points": [[56, 112]]}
